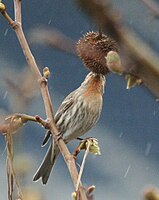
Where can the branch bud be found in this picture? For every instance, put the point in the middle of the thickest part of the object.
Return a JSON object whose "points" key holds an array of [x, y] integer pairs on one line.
{"points": [[2, 7], [151, 194], [74, 195], [46, 72], [114, 63]]}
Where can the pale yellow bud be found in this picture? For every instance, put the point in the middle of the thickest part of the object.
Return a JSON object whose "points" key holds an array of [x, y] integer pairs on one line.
{"points": [[74, 195], [113, 62], [2, 7], [46, 72]]}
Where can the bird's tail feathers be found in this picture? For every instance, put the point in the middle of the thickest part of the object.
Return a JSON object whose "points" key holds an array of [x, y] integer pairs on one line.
{"points": [[47, 163], [46, 138]]}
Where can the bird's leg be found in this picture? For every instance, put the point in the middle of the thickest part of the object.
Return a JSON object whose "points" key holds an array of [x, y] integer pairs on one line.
{"points": [[79, 138], [78, 149], [76, 152]]}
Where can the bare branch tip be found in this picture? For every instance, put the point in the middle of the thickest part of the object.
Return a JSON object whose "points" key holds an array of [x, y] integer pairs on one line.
{"points": [[41, 121], [37, 117]]}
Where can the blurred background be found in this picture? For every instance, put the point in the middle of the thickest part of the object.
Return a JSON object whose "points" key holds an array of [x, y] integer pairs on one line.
{"points": [[128, 130]]}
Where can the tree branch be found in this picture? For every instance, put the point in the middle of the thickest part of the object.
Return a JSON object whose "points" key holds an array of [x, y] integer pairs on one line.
{"points": [[43, 84]]}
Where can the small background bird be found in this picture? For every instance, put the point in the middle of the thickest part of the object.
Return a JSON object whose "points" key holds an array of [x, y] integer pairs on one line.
{"points": [[77, 114]]}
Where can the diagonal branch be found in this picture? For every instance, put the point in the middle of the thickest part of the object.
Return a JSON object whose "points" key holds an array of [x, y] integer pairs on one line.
{"points": [[17, 11], [43, 84]]}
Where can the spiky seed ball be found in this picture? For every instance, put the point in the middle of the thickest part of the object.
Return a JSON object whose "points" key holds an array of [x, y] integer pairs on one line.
{"points": [[92, 49]]}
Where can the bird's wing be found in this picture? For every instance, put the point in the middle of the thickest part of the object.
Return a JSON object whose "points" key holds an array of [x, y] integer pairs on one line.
{"points": [[67, 103]]}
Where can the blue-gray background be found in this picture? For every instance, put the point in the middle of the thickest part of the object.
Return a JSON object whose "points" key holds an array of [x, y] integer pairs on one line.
{"points": [[128, 130]]}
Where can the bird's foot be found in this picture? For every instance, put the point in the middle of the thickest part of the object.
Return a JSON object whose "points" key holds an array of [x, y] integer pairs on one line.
{"points": [[76, 152]]}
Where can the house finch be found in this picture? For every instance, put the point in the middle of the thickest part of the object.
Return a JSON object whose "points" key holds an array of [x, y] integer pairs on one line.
{"points": [[77, 114]]}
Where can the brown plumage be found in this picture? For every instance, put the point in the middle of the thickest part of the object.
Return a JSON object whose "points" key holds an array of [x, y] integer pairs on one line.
{"points": [[77, 114]]}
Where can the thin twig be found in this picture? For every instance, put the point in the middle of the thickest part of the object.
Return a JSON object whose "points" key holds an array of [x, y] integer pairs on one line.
{"points": [[82, 165], [10, 168]]}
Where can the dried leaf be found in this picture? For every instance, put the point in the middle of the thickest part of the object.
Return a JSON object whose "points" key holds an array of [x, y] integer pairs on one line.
{"points": [[94, 147], [132, 81]]}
